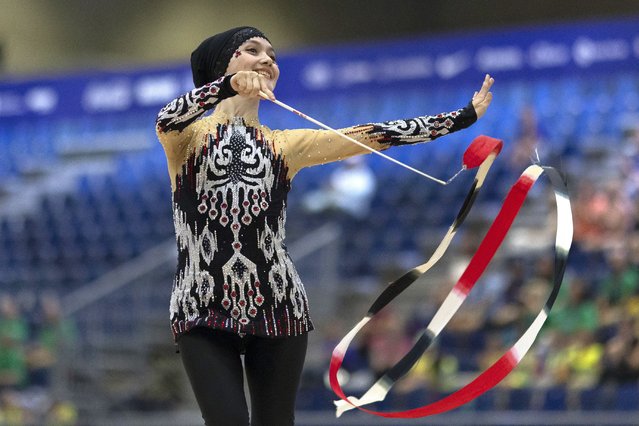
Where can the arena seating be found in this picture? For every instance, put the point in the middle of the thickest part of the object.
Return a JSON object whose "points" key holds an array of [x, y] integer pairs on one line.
{"points": [[108, 216], [117, 202]]}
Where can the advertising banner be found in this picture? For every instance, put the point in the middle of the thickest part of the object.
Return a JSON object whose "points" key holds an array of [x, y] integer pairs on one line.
{"points": [[529, 53]]}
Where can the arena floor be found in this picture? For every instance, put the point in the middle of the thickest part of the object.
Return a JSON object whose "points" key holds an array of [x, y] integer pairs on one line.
{"points": [[192, 418]]}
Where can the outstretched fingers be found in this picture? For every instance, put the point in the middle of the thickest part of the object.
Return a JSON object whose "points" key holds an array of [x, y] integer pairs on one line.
{"points": [[486, 85], [482, 99]]}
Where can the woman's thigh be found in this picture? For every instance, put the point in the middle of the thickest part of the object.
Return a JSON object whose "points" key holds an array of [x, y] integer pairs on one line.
{"points": [[273, 371], [212, 362]]}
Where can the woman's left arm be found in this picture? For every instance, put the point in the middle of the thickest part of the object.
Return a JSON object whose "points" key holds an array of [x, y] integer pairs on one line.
{"points": [[307, 147], [428, 128]]}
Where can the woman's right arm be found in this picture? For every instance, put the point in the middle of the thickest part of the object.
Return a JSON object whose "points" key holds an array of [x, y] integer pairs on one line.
{"points": [[181, 112]]}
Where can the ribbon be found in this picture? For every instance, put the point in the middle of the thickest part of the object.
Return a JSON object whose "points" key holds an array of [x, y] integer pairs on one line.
{"points": [[481, 153], [489, 245]]}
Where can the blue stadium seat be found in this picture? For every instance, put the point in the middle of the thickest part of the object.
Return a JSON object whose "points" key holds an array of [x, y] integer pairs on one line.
{"points": [[627, 397], [485, 402], [555, 399], [519, 399]]}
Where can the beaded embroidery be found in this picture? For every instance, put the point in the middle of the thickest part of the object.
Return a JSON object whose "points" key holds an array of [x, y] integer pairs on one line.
{"points": [[230, 179]]}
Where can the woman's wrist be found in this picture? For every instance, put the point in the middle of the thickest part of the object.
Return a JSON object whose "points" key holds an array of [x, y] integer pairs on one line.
{"points": [[226, 88]]}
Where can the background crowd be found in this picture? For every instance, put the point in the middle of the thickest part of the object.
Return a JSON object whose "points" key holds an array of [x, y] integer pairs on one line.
{"points": [[87, 249], [587, 356]]}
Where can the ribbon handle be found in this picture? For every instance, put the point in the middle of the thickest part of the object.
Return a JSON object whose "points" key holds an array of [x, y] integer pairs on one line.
{"points": [[356, 142]]}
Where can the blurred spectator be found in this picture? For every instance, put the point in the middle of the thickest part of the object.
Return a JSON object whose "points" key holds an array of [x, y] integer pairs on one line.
{"points": [[162, 388], [516, 273], [532, 297], [621, 280], [529, 138], [62, 413], [578, 312], [53, 339], [583, 356], [630, 160], [525, 291], [27, 358], [349, 189], [360, 377], [386, 341], [522, 376], [11, 411], [435, 372], [13, 338], [555, 367], [619, 218], [620, 363], [506, 311], [602, 216]]}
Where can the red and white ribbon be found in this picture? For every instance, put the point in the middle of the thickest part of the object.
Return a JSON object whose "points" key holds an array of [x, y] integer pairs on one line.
{"points": [[481, 154], [502, 367]]}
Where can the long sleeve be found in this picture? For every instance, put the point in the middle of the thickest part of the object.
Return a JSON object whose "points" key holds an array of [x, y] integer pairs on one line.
{"points": [[184, 110], [306, 148], [175, 123]]}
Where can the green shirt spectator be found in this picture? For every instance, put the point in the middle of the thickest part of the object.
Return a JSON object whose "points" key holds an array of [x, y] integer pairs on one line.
{"points": [[13, 337], [577, 313], [622, 280]]}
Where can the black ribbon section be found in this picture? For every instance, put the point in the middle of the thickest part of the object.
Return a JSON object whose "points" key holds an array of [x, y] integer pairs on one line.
{"points": [[395, 288]]}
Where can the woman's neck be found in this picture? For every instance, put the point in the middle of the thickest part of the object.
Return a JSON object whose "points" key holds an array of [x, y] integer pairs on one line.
{"points": [[239, 106]]}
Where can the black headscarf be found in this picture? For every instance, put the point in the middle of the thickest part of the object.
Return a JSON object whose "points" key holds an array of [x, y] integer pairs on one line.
{"points": [[211, 58]]}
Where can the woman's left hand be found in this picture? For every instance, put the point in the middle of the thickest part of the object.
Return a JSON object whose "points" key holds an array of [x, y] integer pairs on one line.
{"points": [[482, 99]]}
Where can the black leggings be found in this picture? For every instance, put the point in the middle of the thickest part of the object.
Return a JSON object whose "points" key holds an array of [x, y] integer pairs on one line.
{"points": [[273, 367]]}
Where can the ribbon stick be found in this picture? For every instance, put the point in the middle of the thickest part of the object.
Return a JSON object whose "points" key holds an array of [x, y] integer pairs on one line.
{"points": [[348, 138]]}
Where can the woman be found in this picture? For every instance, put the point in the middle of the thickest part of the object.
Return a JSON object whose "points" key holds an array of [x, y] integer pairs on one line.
{"points": [[236, 290]]}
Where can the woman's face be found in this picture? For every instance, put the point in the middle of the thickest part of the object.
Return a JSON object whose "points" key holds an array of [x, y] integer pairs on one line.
{"points": [[257, 55]]}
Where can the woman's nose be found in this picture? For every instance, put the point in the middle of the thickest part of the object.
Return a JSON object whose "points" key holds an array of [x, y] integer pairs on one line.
{"points": [[266, 60]]}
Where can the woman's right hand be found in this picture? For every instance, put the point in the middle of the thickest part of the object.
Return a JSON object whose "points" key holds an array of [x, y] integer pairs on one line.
{"points": [[250, 84]]}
